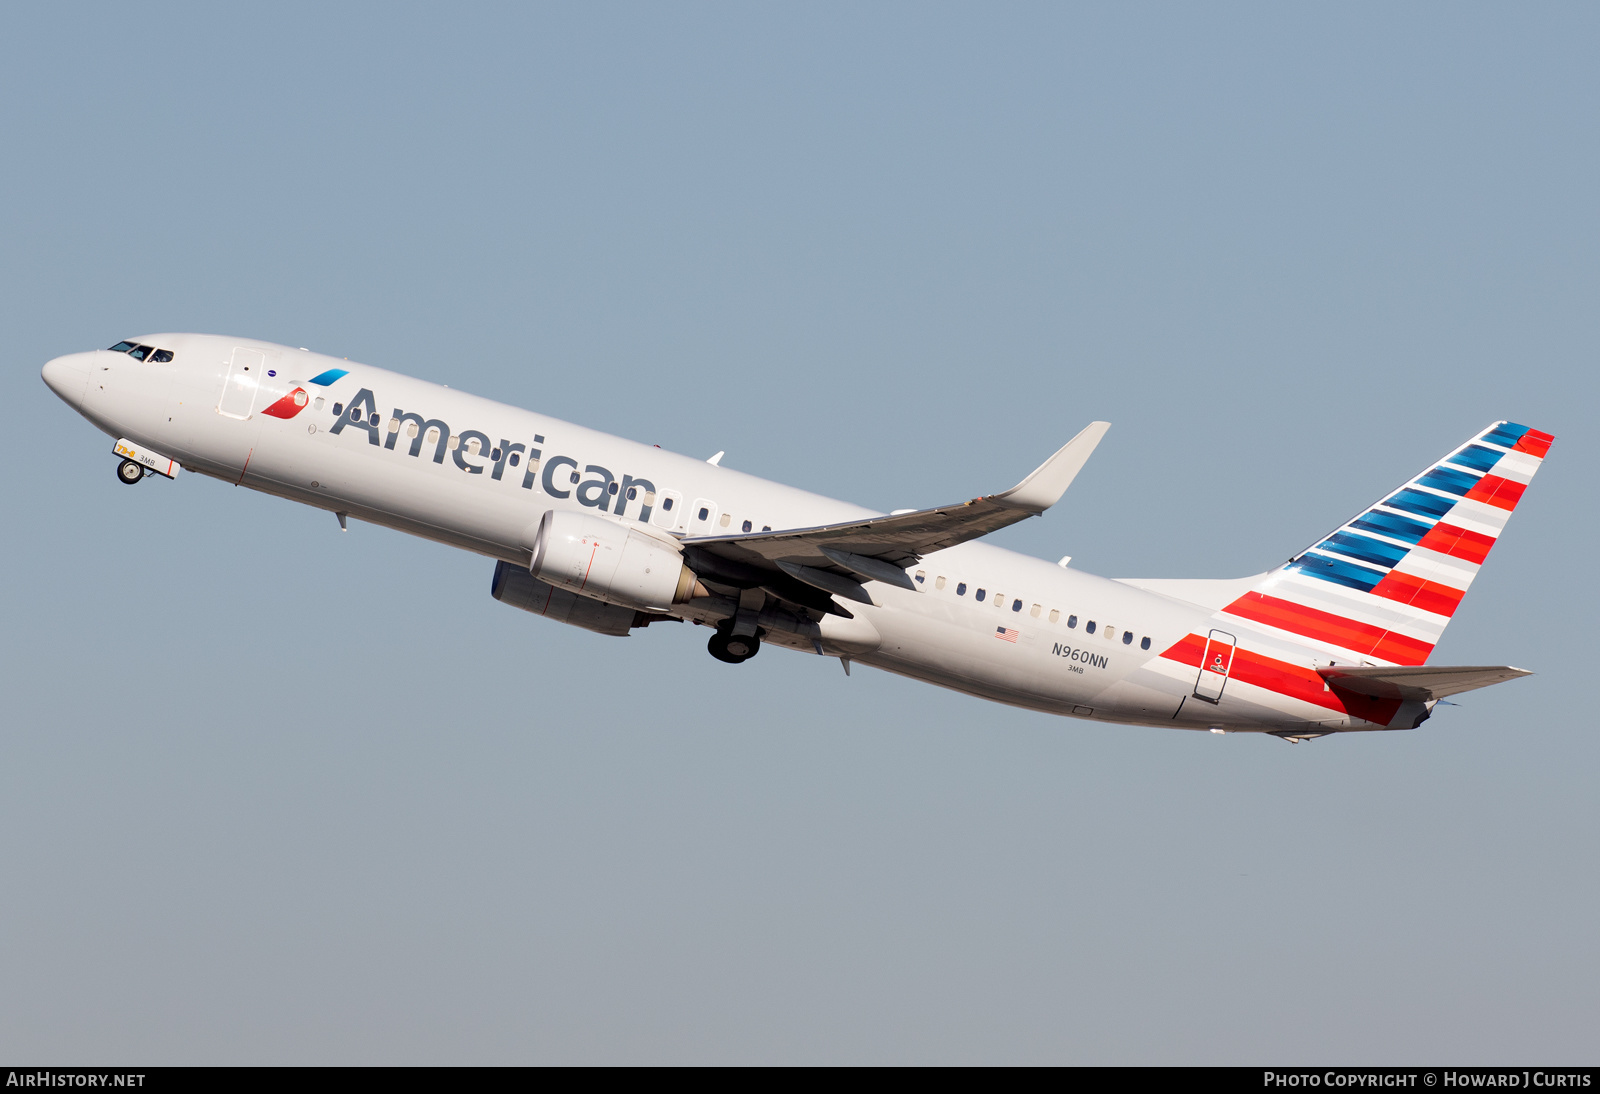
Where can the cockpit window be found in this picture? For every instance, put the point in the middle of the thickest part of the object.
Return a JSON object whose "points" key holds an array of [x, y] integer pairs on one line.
{"points": [[161, 356], [139, 353], [123, 347]]}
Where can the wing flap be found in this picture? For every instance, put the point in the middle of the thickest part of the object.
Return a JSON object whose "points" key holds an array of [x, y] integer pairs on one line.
{"points": [[847, 587]]}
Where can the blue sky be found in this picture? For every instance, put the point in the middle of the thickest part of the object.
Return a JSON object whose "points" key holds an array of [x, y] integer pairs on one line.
{"points": [[270, 793]]}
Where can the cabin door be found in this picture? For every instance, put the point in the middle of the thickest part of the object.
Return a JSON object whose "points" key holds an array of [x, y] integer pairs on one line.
{"points": [[1215, 664], [245, 372]]}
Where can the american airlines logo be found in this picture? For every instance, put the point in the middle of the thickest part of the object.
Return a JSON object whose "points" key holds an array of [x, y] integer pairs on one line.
{"points": [[559, 475]]}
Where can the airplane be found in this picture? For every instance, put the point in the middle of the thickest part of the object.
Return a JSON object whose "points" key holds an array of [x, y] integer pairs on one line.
{"points": [[612, 536]]}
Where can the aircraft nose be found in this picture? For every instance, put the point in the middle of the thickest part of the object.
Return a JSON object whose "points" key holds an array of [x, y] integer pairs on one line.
{"points": [[67, 377]]}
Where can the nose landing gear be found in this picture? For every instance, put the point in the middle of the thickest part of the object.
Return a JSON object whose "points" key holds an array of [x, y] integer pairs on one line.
{"points": [[130, 472], [733, 648]]}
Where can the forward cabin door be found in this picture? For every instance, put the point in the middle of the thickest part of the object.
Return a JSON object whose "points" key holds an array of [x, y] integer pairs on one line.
{"points": [[244, 378], [1215, 664]]}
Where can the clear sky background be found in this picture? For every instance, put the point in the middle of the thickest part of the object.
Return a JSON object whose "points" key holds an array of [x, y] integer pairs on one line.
{"points": [[274, 794]]}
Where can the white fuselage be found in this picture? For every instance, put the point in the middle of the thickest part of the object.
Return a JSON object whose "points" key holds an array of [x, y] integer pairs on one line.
{"points": [[455, 491]]}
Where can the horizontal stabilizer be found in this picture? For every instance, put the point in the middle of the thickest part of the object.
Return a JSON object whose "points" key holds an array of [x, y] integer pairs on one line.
{"points": [[1417, 682]]}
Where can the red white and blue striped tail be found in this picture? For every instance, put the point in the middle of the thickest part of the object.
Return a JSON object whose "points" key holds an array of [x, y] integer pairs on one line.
{"points": [[1383, 587]]}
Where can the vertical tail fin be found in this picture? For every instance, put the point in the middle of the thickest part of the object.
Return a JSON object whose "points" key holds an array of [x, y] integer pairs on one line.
{"points": [[1383, 587]]}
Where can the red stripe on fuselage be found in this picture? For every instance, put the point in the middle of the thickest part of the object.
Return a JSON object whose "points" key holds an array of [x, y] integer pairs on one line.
{"points": [[1283, 678], [1333, 629]]}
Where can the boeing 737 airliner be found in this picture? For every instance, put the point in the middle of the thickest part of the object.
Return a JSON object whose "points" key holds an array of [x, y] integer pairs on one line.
{"points": [[610, 535]]}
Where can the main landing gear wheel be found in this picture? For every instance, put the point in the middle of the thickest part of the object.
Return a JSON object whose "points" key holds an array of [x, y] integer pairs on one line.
{"points": [[733, 648], [129, 472]]}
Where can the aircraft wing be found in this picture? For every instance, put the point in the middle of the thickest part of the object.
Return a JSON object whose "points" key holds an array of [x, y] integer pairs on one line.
{"points": [[1419, 681], [836, 558]]}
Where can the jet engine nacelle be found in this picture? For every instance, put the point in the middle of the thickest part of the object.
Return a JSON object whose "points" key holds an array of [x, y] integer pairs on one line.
{"points": [[608, 561], [515, 586]]}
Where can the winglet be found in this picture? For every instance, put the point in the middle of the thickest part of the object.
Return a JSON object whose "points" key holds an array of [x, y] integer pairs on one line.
{"points": [[1042, 489]]}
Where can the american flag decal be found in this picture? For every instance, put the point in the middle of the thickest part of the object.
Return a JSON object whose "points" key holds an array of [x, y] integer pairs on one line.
{"points": [[1007, 634]]}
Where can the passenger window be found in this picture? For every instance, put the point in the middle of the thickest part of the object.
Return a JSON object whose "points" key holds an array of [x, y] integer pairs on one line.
{"points": [[1089, 626], [574, 474], [1035, 610], [318, 406], [455, 443], [1016, 606], [1111, 633], [922, 576], [1144, 643], [516, 457], [961, 588], [725, 519], [666, 503], [704, 513], [1072, 622], [123, 347], [411, 427], [978, 595], [745, 526], [1055, 615], [161, 356], [766, 527], [338, 408], [1127, 638], [633, 492], [938, 582], [613, 488]]}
